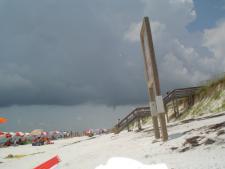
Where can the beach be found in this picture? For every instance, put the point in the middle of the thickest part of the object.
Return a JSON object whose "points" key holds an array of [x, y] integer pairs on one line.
{"points": [[91, 152]]}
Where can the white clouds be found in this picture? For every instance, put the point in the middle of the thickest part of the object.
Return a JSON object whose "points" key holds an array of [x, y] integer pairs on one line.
{"points": [[171, 16], [175, 14], [168, 23], [133, 33], [214, 40], [179, 61], [180, 66]]}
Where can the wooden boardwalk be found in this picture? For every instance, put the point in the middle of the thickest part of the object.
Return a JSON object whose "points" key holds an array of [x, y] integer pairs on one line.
{"points": [[172, 96], [176, 94], [136, 114]]}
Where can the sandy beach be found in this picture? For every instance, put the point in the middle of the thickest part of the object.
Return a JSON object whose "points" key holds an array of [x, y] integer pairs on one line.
{"points": [[90, 152]]}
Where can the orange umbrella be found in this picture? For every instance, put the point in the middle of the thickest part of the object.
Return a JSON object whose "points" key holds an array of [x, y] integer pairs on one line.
{"points": [[3, 120]]}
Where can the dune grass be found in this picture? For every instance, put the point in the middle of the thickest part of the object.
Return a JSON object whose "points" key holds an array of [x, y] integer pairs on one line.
{"points": [[210, 99]]}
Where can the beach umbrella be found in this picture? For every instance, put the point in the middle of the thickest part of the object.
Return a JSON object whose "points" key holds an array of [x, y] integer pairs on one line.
{"points": [[4, 137], [3, 120], [44, 133], [19, 134], [1, 133], [28, 136], [56, 134], [8, 135], [36, 132], [89, 131]]}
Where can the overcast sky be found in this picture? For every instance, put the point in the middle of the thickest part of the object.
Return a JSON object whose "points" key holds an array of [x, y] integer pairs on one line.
{"points": [[78, 64]]}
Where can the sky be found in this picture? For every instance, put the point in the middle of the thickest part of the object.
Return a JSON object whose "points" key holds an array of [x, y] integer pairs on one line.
{"points": [[72, 65]]}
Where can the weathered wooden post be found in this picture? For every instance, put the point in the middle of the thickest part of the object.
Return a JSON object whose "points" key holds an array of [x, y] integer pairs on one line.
{"points": [[151, 75], [139, 123]]}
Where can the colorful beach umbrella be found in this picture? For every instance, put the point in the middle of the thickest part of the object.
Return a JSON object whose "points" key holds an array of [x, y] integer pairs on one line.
{"points": [[37, 132], [5, 137], [19, 134], [1, 133], [3, 120], [8, 135], [44, 133]]}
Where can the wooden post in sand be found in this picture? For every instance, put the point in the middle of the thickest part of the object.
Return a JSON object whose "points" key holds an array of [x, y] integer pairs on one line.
{"points": [[139, 123], [151, 75]]}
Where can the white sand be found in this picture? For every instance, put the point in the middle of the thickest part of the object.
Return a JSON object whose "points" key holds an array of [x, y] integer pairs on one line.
{"points": [[90, 153]]}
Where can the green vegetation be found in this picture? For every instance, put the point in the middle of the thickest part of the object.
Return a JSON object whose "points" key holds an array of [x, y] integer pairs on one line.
{"points": [[216, 95], [210, 98], [146, 120], [209, 85]]}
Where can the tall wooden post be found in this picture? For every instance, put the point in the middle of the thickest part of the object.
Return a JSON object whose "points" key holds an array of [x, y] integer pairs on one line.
{"points": [[151, 75]]}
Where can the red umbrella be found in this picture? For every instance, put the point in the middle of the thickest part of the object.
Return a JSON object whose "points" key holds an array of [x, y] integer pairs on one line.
{"points": [[7, 135], [1, 133], [19, 134], [3, 120]]}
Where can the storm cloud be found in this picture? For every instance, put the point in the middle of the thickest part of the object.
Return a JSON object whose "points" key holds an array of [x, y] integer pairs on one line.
{"points": [[76, 52], [67, 53]]}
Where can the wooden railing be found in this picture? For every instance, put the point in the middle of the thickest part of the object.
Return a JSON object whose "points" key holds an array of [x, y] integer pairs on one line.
{"points": [[180, 93], [140, 112], [134, 115], [176, 94]]}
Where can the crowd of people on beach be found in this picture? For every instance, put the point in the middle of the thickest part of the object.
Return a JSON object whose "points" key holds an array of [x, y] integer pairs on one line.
{"points": [[36, 137], [40, 137]]}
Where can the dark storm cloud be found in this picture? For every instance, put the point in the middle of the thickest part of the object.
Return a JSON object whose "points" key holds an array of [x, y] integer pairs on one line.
{"points": [[68, 53]]}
